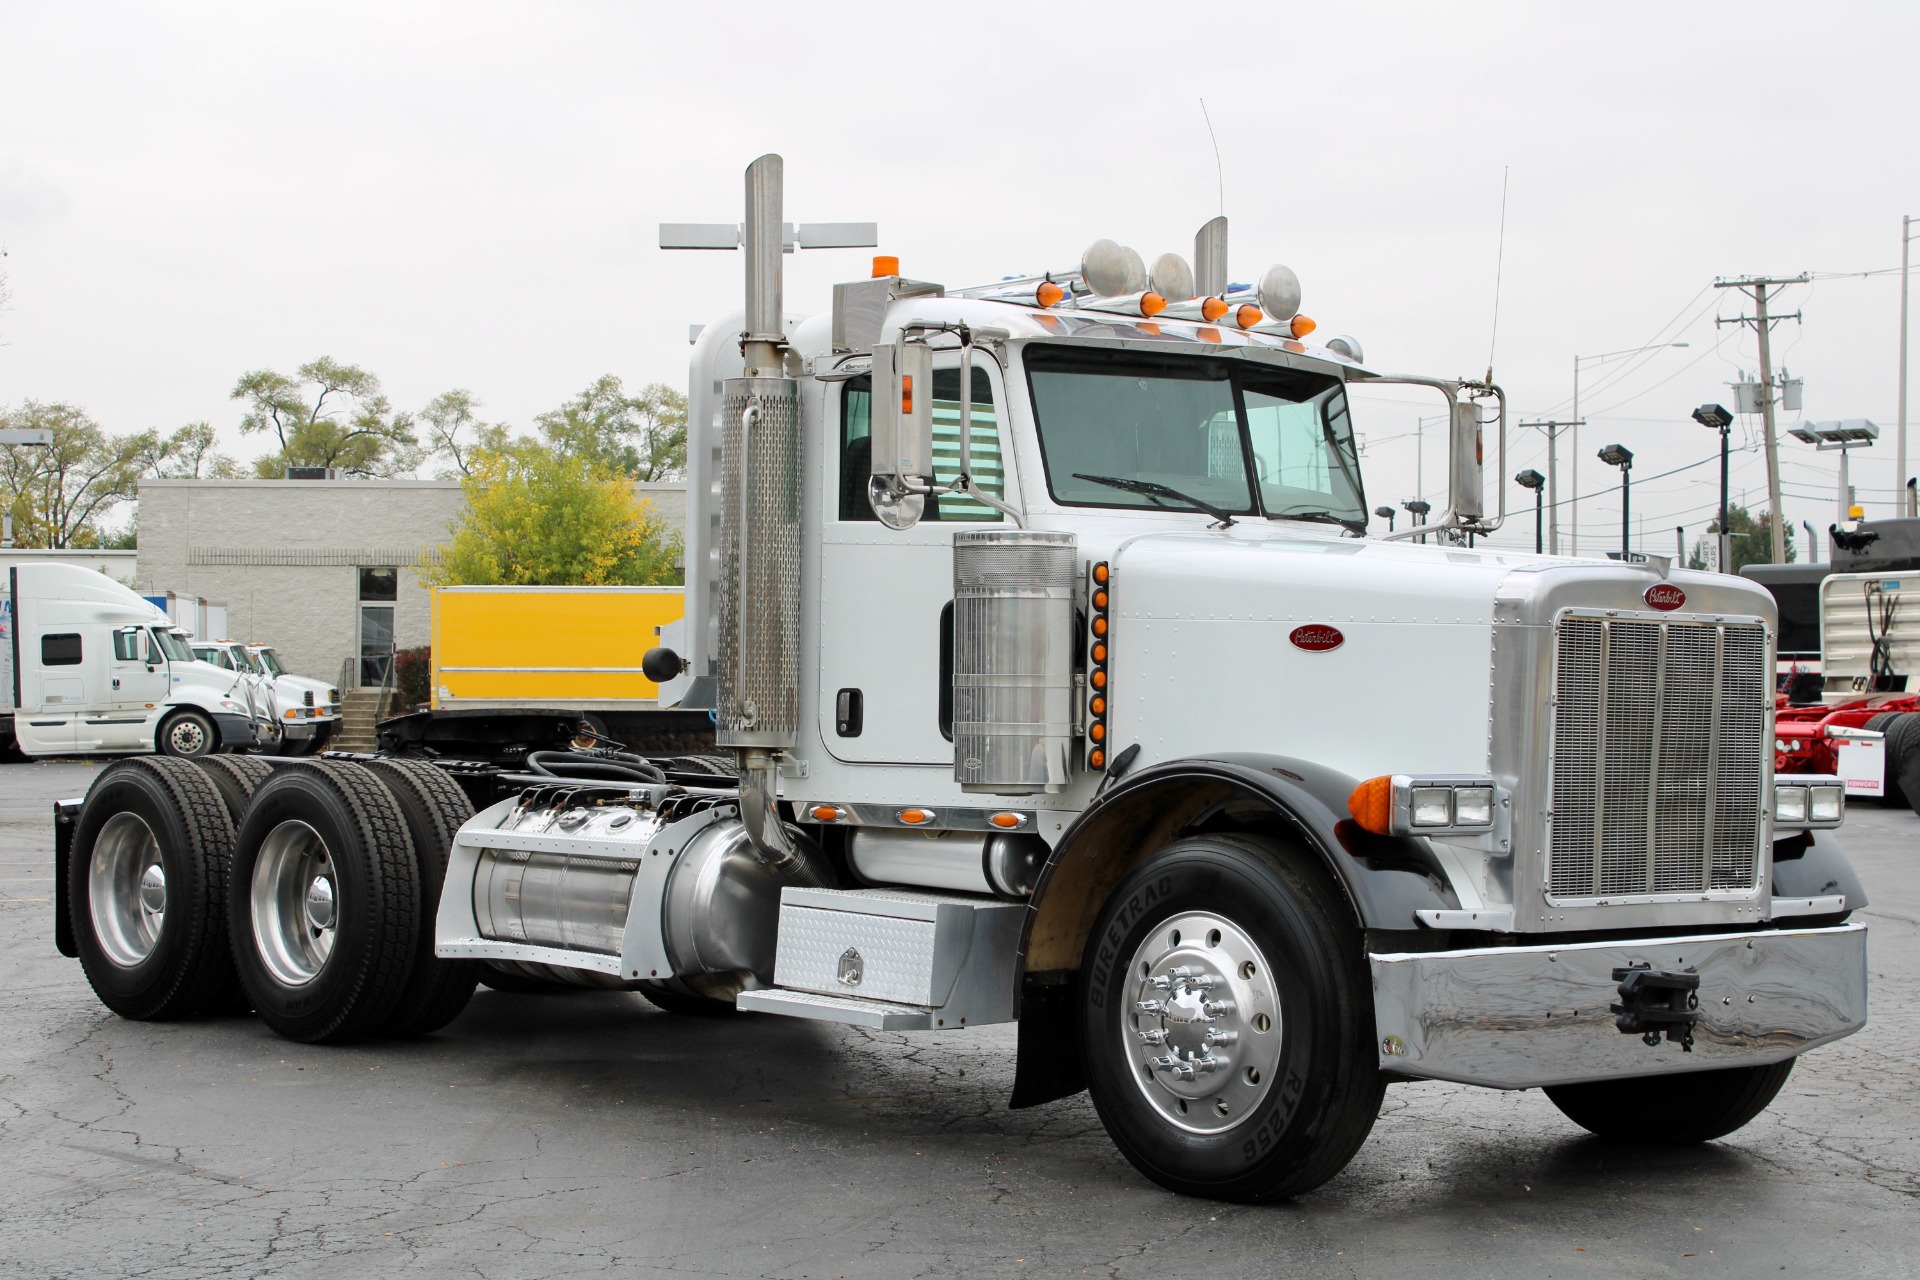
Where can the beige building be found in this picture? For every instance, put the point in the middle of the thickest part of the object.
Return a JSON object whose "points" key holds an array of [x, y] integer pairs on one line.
{"points": [[326, 571]]}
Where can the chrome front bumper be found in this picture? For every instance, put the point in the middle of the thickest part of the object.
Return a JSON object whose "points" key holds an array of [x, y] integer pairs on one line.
{"points": [[1521, 1017]]}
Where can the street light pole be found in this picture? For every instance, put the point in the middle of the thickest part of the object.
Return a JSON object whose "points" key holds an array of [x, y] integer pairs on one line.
{"points": [[1900, 459], [1618, 455], [1715, 418], [1531, 479]]}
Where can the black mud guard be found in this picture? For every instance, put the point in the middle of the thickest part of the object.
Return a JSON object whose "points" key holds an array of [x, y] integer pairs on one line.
{"points": [[1385, 878], [65, 814]]}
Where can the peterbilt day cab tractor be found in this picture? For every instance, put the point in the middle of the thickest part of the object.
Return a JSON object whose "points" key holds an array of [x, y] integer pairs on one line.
{"points": [[1055, 682]]}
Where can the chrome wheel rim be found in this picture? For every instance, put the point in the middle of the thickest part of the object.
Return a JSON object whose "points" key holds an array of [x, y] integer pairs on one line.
{"points": [[1201, 1031], [127, 889], [295, 905], [187, 736]]}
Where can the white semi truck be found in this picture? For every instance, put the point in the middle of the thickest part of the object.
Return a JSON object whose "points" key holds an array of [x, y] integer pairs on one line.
{"points": [[90, 667], [1056, 682], [297, 715]]}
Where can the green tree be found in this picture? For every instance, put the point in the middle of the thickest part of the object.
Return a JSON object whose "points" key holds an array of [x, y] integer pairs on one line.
{"points": [[59, 495], [1750, 540], [186, 454], [536, 516], [454, 431], [643, 436], [330, 415]]}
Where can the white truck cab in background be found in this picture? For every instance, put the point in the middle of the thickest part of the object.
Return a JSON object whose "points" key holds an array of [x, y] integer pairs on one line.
{"points": [[90, 667], [297, 715]]}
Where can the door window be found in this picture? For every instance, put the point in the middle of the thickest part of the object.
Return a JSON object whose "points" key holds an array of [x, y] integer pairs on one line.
{"points": [[379, 586], [126, 645], [989, 473]]}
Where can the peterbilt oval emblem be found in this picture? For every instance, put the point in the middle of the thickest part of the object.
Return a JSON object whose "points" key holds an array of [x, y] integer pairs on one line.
{"points": [[1664, 596], [1316, 638]]}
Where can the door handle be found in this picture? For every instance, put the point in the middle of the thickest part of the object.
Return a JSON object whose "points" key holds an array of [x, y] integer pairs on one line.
{"points": [[116, 682]]}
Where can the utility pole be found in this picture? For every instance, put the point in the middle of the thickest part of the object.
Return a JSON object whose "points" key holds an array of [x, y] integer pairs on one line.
{"points": [[1756, 287], [1553, 478], [1906, 245]]}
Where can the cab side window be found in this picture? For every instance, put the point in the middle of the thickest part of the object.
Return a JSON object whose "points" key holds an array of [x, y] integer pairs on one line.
{"points": [[126, 646], [856, 447], [60, 650]]}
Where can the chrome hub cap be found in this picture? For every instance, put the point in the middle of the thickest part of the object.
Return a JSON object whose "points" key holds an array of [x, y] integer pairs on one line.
{"points": [[293, 907], [1202, 1024], [127, 889], [187, 737]]}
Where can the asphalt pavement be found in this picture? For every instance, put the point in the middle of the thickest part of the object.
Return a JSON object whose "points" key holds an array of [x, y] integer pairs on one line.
{"points": [[588, 1134]]}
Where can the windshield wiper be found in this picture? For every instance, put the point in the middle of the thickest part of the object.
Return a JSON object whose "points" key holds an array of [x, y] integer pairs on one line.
{"points": [[1154, 490], [1321, 517]]}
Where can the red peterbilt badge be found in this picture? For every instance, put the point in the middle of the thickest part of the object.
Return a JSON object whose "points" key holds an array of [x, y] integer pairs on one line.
{"points": [[1665, 596], [1315, 638]]}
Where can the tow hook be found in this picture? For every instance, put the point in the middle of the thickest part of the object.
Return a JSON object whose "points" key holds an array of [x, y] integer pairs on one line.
{"points": [[1653, 1002]]}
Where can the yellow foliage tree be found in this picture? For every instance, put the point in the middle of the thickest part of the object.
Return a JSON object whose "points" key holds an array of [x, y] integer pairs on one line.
{"points": [[536, 517]]}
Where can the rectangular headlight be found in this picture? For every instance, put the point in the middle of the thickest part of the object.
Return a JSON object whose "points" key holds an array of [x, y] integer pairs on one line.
{"points": [[1826, 804], [1432, 807], [1473, 806], [1789, 805]]}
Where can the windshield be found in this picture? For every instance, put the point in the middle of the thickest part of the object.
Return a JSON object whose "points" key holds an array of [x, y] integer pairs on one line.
{"points": [[1236, 435], [174, 645], [269, 660]]}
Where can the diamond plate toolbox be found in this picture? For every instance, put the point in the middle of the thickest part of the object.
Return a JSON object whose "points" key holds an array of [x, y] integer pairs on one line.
{"points": [[934, 951]]}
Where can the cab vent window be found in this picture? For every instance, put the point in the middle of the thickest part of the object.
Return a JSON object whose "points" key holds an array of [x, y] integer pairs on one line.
{"points": [[61, 650]]}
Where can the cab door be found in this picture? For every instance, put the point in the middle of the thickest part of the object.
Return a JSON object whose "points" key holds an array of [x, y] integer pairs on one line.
{"points": [[886, 595], [136, 685]]}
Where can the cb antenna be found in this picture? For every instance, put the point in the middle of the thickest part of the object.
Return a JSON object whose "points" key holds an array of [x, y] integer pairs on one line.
{"points": [[1219, 170], [1499, 265]]}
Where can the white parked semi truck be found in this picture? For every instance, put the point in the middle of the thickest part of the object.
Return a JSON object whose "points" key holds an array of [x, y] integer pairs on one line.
{"points": [[297, 715], [1056, 682], [89, 667]]}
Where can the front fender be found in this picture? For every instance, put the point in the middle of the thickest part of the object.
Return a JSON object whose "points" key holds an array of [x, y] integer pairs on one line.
{"points": [[1384, 879]]}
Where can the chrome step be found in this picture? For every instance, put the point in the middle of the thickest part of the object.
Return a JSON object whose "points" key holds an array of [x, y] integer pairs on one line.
{"points": [[872, 1014]]}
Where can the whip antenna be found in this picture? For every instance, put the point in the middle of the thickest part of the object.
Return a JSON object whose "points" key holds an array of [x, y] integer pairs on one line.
{"points": [[1499, 264]]}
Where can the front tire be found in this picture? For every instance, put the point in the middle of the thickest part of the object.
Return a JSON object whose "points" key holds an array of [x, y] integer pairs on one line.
{"points": [[1227, 1021], [1671, 1111], [324, 902], [187, 734]]}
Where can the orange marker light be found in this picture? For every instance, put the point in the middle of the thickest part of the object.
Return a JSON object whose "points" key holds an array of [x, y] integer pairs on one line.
{"points": [[1372, 805], [1096, 759], [1099, 653], [1152, 304], [1248, 315], [1008, 821], [1212, 309], [1098, 732], [1303, 326], [1099, 599], [1100, 572], [1099, 626], [915, 817], [1098, 706], [825, 813], [906, 393], [885, 264], [1098, 679], [1048, 293]]}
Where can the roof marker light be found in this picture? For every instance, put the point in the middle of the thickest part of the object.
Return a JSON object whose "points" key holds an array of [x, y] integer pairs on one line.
{"points": [[1212, 309], [1247, 316], [1302, 326], [885, 264], [1048, 294]]}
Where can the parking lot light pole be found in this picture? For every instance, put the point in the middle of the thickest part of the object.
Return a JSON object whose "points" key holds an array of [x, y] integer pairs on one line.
{"points": [[1531, 479], [1618, 455], [1388, 513], [1715, 418]]}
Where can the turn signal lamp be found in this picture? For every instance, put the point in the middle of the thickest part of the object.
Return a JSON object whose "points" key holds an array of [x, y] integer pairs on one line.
{"points": [[1302, 326], [1401, 805], [885, 264]]}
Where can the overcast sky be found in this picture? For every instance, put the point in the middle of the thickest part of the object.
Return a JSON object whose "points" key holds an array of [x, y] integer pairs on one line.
{"points": [[466, 195]]}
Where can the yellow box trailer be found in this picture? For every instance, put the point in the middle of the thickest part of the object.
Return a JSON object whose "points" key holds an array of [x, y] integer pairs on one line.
{"points": [[547, 646]]}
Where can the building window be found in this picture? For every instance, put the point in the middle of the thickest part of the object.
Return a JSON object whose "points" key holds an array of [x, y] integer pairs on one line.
{"points": [[379, 589], [379, 585], [62, 650]]}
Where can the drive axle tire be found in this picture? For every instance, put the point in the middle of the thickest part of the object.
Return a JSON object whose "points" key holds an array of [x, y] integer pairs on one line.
{"points": [[324, 902], [1227, 1021], [145, 888], [1890, 789], [187, 734], [434, 807], [235, 778], [1671, 1111]]}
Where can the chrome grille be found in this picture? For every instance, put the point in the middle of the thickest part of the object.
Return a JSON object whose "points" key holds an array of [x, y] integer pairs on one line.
{"points": [[1659, 742]]}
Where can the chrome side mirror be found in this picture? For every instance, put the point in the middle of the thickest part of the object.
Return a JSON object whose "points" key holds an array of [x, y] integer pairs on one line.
{"points": [[902, 425], [1468, 490]]}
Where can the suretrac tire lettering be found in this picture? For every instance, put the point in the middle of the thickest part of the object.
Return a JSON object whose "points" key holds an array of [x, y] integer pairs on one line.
{"points": [[1103, 961]]}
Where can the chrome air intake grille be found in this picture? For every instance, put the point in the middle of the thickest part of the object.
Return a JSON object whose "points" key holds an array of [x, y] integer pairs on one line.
{"points": [[1659, 757]]}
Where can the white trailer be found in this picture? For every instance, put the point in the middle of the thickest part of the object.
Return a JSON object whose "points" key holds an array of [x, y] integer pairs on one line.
{"points": [[92, 668], [1060, 684]]}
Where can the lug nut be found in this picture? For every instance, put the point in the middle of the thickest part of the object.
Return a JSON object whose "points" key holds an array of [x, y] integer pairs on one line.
{"points": [[1154, 1035], [1221, 1036], [1148, 1006]]}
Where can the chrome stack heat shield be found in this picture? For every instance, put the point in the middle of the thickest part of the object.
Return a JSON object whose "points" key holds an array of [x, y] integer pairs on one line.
{"points": [[759, 572], [1013, 643]]}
